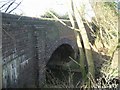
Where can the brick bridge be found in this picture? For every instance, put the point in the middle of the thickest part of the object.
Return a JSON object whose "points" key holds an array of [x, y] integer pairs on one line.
{"points": [[29, 44]]}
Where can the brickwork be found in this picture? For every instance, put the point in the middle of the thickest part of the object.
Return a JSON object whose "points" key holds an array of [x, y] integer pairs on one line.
{"points": [[27, 45]]}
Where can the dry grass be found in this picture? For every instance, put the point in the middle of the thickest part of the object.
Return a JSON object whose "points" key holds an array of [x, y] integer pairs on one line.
{"points": [[106, 43]]}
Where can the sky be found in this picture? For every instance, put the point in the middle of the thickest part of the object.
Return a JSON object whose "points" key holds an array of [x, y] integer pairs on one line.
{"points": [[36, 8], [39, 7]]}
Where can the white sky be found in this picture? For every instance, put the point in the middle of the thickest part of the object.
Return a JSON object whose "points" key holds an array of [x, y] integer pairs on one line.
{"points": [[38, 7], [35, 8]]}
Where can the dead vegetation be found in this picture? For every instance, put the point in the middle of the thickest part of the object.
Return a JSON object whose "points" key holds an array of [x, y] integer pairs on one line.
{"points": [[103, 53]]}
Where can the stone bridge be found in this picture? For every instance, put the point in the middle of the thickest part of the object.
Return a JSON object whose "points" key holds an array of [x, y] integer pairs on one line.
{"points": [[29, 44]]}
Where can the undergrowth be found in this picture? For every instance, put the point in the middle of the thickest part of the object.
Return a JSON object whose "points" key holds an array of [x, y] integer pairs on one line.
{"points": [[106, 44]]}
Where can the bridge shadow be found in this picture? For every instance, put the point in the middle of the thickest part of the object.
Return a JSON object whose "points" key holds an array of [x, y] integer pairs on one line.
{"points": [[62, 72]]}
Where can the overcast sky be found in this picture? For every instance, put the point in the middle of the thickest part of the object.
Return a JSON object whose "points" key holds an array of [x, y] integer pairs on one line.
{"points": [[36, 8]]}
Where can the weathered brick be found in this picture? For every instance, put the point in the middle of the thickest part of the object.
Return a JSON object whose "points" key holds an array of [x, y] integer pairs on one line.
{"points": [[27, 46]]}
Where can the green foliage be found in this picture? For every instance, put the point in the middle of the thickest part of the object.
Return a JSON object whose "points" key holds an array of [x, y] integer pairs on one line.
{"points": [[112, 5], [48, 15]]}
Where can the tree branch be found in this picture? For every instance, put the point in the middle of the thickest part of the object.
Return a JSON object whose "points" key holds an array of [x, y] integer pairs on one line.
{"points": [[10, 5], [15, 7], [4, 4]]}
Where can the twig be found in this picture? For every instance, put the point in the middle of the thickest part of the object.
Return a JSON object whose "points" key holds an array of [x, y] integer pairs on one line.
{"points": [[63, 22], [15, 7], [4, 5], [10, 5]]}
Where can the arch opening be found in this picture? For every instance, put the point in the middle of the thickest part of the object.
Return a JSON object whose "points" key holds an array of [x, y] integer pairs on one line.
{"points": [[55, 74], [61, 55]]}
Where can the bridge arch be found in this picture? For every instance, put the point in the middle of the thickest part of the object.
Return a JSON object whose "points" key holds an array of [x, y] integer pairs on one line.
{"points": [[61, 55], [54, 70], [68, 45], [58, 58]]}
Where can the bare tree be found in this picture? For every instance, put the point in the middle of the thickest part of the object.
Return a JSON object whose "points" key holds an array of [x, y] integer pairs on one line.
{"points": [[9, 6]]}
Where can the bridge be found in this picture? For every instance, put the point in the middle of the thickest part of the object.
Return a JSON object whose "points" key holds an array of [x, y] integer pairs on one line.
{"points": [[30, 46]]}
